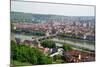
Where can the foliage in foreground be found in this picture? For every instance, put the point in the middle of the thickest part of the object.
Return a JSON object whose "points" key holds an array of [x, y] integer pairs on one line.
{"points": [[23, 53], [18, 63]]}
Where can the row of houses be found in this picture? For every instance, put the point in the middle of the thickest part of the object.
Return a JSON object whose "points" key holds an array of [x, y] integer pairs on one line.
{"points": [[78, 56]]}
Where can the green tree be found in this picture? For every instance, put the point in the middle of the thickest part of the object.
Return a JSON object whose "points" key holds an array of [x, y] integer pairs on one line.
{"points": [[45, 60], [48, 43], [13, 50], [23, 53], [67, 47]]}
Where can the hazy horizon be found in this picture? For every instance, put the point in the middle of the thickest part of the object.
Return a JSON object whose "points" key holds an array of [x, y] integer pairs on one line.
{"points": [[53, 9], [52, 14]]}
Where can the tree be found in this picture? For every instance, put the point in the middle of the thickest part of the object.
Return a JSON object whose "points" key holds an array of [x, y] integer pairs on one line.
{"points": [[48, 43], [69, 35], [23, 53], [67, 47], [45, 60], [13, 50]]}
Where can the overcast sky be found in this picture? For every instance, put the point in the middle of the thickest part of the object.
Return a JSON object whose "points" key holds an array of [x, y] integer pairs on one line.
{"points": [[47, 8]]}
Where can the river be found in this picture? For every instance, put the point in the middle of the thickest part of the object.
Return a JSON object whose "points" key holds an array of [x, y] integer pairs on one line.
{"points": [[83, 44], [79, 43]]}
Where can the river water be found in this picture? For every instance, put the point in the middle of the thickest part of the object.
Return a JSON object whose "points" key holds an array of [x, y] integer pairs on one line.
{"points": [[79, 43], [83, 44]]}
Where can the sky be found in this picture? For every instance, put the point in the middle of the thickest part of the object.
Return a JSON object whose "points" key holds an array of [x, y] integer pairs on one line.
{"points": [[48, 8]]}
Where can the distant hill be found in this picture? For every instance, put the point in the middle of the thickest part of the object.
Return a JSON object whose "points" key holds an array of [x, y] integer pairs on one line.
{"points": [[29, 17]]}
